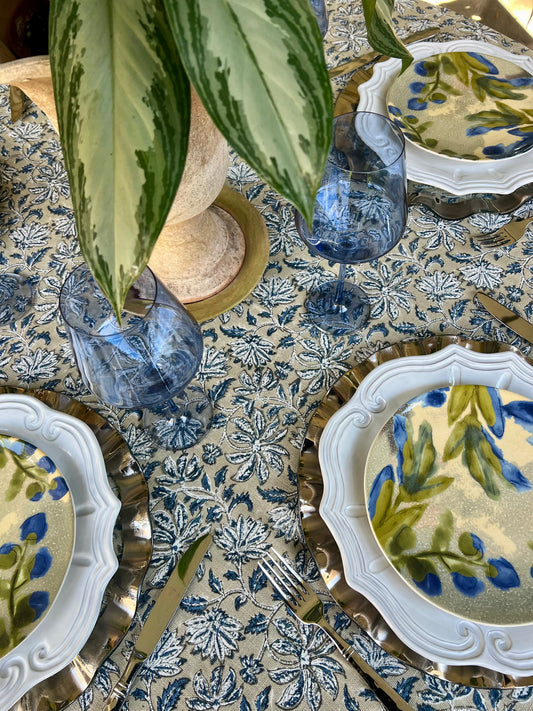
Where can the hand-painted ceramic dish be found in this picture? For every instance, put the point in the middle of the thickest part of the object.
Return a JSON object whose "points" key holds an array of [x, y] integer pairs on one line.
{"points": [[449, 490], [36, 538], [491, 638], [65, 622], [454, 175], [464, 105]]}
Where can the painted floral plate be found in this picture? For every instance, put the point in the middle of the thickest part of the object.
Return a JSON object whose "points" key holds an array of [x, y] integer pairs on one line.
{"points": [[451, 546], [454, 175], [464, 105], [449, 491], [57, 556]]}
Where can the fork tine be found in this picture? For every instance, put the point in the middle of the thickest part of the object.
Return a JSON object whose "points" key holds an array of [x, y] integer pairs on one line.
{"points": [[276, 574]]}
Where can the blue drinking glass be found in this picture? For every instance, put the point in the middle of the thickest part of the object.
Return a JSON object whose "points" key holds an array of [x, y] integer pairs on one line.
{"points": [[321, 13], [360, 213], [146, 361]]}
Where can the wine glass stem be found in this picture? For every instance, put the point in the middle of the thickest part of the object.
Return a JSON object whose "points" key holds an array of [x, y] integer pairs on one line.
{"points": [[339, 304]]}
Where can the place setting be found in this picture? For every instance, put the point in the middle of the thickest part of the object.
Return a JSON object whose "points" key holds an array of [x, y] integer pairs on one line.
{"points": [[317, 494]]}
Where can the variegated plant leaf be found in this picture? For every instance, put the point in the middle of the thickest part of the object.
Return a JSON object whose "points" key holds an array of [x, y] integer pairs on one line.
{"points": [[259, 69], [123, 105], [380, 30]]}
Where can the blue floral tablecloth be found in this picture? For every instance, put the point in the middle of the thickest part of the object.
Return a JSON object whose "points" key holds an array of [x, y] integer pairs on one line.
{"points": [[233, 645]]}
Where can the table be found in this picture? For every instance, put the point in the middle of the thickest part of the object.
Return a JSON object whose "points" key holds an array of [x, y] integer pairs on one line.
{"points": [[233, 646]]}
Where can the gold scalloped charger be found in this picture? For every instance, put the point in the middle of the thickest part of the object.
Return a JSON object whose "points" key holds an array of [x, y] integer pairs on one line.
{"points": [[323, 546]]}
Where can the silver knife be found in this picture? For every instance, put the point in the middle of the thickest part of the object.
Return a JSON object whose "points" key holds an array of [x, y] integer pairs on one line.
{"points": [[159, 617], [509, 318]]}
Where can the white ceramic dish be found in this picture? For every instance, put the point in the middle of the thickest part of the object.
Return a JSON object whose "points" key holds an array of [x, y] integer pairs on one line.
{"points": [[344, 447], [73, 613], [457, 176]]}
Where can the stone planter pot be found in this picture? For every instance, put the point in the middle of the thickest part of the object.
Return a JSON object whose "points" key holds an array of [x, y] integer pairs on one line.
{"points": [[201, 247]]}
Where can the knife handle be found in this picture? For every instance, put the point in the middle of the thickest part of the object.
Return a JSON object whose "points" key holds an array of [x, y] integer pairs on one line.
{"points": [[119, 692]]}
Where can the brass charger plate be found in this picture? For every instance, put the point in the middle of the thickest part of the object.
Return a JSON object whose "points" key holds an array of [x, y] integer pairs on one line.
{"points": [[257, 247], [323, 546], [133, 549]]}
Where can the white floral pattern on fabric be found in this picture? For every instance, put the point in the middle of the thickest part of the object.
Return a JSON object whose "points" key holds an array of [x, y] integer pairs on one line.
{"points": [[233, 645]]}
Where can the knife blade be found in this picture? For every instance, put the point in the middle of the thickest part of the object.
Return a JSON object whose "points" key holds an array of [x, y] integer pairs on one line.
{"points": [[160, 615], [511, 319]]}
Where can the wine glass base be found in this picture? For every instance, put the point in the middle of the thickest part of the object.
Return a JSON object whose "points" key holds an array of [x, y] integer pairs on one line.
{"points": [[181, 422], [338, 318]]}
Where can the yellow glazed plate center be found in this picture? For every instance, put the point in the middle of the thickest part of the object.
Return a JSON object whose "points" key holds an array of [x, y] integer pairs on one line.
{"points": [[465, 105], [36, 538], [449, 491]]}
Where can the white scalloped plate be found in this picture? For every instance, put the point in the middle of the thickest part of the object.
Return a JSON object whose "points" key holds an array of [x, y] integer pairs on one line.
{"points": [[68, 622], [455, 175], [345, 444]]}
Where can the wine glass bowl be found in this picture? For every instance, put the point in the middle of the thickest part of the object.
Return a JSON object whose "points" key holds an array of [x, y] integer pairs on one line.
{"points": [[359, 215], [145, 361]]}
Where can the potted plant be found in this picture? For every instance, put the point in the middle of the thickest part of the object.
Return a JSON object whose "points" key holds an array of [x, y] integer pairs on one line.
{"points": [[121, 74]]}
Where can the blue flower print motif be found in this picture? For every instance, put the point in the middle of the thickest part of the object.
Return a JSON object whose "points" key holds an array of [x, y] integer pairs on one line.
{"points": [[60, 490], [468, 585], [417, 104], [39, 601], [510, 472], [502, 574], [491, 68], [400, 437], [430, 584], [307, 668], [216, 693], [386, 474], [41, 564], [34, 528]]}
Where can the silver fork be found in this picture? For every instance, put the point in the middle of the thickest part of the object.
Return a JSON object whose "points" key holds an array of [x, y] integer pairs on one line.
{"points": [[508, 234], [303, 601]]}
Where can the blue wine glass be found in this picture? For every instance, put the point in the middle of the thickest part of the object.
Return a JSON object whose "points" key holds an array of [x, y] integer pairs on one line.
{"points": [[360, 213], [145, 361], [321, 13]]}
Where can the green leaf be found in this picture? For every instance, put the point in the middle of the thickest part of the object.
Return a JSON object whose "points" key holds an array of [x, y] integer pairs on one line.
{"points": [[383, 503], [24, 612], [403, 540], [5, 640], [15, 485], [420, 567], [460, 397], [259, 69], [406, 517], [5, 590], [442, 535], [123, 105], [380, 30], [467, 547]]}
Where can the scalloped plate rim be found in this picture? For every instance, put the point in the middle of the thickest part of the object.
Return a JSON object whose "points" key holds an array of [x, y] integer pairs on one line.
{"points": [[68, 441], [425, 627], [457, 176]]}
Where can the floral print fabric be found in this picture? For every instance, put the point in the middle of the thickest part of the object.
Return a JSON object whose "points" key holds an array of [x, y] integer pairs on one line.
{"points": [[233, 645]]}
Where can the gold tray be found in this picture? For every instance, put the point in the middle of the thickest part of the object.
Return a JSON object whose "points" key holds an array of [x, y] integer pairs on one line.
{"points": [[134, 549], [323, 545], [257, 245]]}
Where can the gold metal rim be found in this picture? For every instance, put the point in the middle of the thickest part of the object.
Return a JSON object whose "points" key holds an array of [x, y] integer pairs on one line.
{"points": [[135, 548], [323, 545], [255, 259]]}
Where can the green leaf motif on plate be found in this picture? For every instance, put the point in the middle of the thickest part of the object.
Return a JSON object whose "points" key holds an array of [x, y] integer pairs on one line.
{"points": [[23, 562]]}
